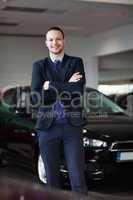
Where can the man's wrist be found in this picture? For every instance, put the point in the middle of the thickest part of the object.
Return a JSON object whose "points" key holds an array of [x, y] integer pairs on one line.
{"points": [[46, 85]]}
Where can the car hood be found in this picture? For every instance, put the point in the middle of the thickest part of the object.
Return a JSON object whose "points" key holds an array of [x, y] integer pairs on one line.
{"points": [[110, 128]]}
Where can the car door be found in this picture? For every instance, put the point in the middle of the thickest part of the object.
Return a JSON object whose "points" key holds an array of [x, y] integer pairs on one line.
{"points": [[22, 140], [17, 127]]}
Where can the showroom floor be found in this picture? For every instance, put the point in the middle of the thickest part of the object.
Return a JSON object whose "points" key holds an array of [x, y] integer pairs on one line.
{"points": [[119, 187]]}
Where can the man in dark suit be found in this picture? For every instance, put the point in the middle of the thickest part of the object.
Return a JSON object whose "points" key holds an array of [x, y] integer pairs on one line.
{"points": [[57, 88]]}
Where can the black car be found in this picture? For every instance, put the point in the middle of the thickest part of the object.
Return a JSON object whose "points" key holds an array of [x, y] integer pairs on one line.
{"points": [[107, 138]]}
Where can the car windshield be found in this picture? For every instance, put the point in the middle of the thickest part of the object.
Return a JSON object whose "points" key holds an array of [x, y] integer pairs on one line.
{"points": [[96, 103]]}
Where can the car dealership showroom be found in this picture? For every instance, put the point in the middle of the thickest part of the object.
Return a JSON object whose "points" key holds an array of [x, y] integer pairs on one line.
{"points": [[101, 33]]}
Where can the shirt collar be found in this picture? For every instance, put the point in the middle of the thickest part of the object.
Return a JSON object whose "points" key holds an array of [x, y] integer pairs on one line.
{"points": [[58, 57]]}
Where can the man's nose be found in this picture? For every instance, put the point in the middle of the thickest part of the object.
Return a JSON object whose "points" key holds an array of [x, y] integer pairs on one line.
{"points": [[54, 41]]}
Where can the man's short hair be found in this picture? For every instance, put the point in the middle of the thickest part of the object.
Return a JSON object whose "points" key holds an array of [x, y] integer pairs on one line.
{"points": [[56, 28]]}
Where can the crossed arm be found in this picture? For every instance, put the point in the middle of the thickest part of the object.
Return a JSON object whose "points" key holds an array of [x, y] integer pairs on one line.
{"points": [[74, 83], [74, 78]]}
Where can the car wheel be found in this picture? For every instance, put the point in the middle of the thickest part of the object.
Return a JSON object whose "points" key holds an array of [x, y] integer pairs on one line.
{"points": [[41, 170]]}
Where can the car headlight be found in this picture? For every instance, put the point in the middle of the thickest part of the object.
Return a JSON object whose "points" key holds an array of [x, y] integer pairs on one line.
{"points": [[87, 142], [84, 130]]}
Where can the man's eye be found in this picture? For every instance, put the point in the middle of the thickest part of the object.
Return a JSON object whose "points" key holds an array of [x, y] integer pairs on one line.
{"points": [[51, 40]]}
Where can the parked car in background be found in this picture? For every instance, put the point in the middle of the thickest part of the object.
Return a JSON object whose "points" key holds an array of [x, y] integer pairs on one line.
{"points": [[125, 101], [107, 138]]}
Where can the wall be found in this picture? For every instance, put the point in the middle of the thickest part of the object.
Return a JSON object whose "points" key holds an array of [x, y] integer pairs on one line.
{"points": [[108, 43], [113, 41], [116, 67], [16, 58]]}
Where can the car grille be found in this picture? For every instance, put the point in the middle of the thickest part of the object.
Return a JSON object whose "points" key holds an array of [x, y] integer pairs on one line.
{"points": [[122, 146]]}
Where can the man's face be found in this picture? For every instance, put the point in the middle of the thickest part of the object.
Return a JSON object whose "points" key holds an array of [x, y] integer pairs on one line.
{"points": [[55, 42]]}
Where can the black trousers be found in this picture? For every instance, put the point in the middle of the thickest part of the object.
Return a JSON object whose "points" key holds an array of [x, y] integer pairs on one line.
{"points": [[49, 143]]}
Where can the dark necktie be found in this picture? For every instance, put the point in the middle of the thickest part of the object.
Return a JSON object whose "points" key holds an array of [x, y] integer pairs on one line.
{"points": [[57, 64], [58, 107]]}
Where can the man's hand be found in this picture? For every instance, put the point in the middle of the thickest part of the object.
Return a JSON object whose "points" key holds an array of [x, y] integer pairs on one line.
{"points": [[75, 77], [46, 85]]}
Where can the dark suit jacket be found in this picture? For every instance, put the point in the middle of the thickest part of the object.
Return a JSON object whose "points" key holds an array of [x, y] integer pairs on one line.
{"points": [[68, 92]]}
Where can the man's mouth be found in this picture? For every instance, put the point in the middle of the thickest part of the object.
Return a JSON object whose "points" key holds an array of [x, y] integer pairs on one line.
{"points": [[55, 47]]}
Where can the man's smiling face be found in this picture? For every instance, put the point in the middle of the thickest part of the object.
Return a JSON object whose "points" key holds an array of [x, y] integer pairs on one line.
{"points": [[55, 42]]}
